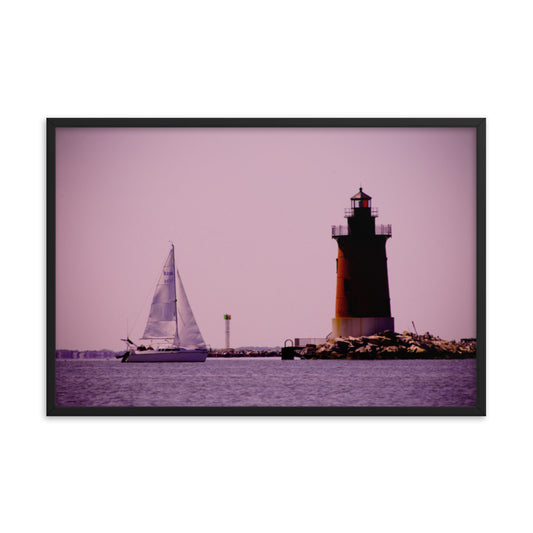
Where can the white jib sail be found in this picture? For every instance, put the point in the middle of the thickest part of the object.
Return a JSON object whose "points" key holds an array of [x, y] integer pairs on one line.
{"points": [[189, 332], [162, 318]]}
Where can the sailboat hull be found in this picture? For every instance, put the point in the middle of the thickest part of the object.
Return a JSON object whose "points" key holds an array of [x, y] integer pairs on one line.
{"points": [[167, 356]]}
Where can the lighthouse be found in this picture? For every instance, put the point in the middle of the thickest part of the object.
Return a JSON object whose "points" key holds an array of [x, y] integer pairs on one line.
{"points": [[362, 304]]}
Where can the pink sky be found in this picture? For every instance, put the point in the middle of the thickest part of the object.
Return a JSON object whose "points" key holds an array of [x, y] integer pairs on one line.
{"points": [[250, 213]]}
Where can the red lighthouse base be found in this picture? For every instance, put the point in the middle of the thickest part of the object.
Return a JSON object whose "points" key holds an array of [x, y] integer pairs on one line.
{"points": [[359, 326]]}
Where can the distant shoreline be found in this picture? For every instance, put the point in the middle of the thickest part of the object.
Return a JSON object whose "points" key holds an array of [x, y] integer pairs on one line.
{"points": [[374, 347], [387, 345]]}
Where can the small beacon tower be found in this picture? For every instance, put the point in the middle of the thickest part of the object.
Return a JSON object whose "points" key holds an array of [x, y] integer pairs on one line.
{"points": [[362, 305], [227, 318]]}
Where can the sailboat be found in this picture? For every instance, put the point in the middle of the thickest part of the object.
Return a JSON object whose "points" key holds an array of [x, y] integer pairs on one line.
{"points": [[171, 332]]}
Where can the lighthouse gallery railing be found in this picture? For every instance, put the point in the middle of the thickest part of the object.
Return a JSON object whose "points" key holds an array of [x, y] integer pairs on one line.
{"points": [[381, 229], [351, 211]]}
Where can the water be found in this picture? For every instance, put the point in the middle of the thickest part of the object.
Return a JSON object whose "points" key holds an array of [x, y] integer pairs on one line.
{"points": [[267, 382]]}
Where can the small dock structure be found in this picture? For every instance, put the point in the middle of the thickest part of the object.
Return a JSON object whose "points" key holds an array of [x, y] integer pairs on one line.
{"points": [[299, 343]]}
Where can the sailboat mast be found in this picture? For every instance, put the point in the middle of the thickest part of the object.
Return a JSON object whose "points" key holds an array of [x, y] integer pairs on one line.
{"points": [[175, 296]]}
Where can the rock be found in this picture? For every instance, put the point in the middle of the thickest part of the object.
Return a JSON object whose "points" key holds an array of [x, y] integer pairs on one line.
{"points": [[379, 340], [416, 349], [356, 342], [390, 349], [443, 346], [310, 349], [342, 346], [364, 349]]}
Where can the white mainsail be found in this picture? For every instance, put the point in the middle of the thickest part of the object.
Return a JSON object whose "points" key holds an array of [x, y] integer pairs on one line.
{"points": [[162, 320], [166, 322]]}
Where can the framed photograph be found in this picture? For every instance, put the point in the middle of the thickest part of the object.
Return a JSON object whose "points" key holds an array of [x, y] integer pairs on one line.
{"points": [[266, 266]]}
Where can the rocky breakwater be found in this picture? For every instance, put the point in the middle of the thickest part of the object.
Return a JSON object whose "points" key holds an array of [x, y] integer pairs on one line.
{"points": [[391, 345]]}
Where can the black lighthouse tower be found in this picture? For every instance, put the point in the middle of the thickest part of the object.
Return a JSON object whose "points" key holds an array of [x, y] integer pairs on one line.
{"points": [[362, 305]]}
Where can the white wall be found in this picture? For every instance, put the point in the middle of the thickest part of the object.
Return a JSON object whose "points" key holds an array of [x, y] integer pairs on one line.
{"points": [[281, 58], [355, 327]]}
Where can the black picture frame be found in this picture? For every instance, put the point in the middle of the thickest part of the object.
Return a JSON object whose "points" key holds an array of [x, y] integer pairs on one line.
{"points": [[478, 123]]}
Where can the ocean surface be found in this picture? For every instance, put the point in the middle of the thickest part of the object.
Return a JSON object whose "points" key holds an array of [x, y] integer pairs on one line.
{"points": [[267, 382]]}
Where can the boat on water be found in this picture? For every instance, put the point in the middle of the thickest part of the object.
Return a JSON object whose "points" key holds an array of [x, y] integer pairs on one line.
{"points": [[171, 334]]}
